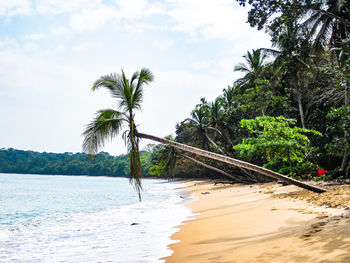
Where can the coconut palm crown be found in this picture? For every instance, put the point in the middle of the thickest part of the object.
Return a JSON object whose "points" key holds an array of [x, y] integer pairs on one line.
{"points": [[108, 123]]}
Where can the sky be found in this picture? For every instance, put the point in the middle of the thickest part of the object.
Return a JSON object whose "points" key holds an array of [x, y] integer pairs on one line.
{"points": [[51, 52]]}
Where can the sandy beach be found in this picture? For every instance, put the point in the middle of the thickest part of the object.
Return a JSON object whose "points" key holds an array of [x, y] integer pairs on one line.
{"points": [[264, 223]]}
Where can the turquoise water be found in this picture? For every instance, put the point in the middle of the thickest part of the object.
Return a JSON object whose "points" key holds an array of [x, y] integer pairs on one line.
{"points": [[86, 219]]}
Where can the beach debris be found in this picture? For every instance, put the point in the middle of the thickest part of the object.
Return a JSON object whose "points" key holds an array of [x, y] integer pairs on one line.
{"points": [[134, 224], [205, 193]]}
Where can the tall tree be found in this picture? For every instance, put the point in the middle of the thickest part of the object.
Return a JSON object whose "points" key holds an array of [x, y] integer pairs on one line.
{"points": [[199, 127], [292, 61]]}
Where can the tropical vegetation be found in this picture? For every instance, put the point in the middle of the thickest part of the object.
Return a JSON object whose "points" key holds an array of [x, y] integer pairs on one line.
{"points": [[289, 111]]}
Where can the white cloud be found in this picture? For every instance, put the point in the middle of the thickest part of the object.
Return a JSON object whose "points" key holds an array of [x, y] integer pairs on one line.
{"points": [[28, 46], [138, 27], [201, 65], [59, 6], [60, 48], [136, 9], [14, 7], [91, 19], [163, 44], [59, 31], [8, 43], [131, 9], [207, 19], [87, 45], [34, 36], [125, 13]]}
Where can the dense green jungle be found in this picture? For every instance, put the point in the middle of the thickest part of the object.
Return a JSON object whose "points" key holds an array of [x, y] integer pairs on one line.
{"points": [[289, 112]]}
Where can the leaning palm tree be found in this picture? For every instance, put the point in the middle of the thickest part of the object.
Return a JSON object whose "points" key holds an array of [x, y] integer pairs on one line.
{"points": [[168, 158], [108, 124], [232, 161]]}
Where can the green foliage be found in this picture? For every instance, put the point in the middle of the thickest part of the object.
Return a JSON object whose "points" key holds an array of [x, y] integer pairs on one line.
{"points": [[338, 126], [279, 142], [166, 160], [255, 99], [303, 82], [103, 164]]}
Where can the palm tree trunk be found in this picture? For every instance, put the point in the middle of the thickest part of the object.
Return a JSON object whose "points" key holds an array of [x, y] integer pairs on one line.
{"points": [[222, 152], [232, 161], [346, 135], [295, 86], [214, 144], [300, 106], [236, 180]]}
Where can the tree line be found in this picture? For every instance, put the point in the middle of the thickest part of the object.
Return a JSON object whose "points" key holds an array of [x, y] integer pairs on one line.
{"points": [[103, 164]]}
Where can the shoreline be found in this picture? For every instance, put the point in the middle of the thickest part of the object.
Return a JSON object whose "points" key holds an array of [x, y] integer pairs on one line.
{"points": [[260, 223]]}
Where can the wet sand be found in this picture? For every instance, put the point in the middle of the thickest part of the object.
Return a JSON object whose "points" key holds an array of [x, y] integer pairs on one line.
{"points": [[264, 223]]}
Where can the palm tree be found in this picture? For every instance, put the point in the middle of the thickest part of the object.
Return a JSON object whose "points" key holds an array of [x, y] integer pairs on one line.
{"points": [[216, 112], [108, 124], [228, 99], [328, 21], [231, 116], [198, 126], [254, 68], [253, 88], [167, 158]]}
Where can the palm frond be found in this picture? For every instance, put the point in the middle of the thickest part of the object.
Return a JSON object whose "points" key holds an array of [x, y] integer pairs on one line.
{"points": [[241, 67], [111, 82], [270, 51], [322, 35], [134, 77], [145, 76], [105, 126]]}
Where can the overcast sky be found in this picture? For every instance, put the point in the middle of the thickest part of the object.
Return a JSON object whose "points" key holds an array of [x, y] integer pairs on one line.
{"points": [[51, 51]]}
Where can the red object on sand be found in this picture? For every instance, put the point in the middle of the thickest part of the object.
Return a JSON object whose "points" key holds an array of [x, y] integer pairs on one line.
{"points": [[320, 172]]}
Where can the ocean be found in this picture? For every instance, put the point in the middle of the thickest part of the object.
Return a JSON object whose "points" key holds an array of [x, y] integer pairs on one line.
{"points": [[46, 218]]}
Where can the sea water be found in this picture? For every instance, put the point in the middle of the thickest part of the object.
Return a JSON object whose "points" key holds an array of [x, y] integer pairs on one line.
{"points": [[87, 219]]}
